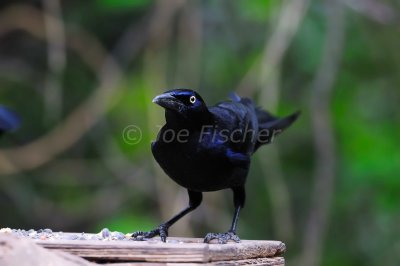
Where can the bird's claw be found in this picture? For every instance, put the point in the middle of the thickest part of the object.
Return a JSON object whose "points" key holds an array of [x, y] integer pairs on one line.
{"points": [[222, 238], [161, 230]]}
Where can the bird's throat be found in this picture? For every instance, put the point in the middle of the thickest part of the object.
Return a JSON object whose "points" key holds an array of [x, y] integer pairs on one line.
{"points": [[188, 120]]}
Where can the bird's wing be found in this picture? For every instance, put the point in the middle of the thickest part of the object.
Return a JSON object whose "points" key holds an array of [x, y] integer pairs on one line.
{"points": [[242, 113], [239, 122], [234, 97]]}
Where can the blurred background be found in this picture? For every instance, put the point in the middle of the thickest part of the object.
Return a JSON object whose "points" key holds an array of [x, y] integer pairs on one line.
{"points": [[82, 74]]}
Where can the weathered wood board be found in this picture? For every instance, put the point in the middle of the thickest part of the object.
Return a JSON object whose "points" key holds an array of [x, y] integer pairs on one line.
{"points": [[276, 261], [176, 250]]}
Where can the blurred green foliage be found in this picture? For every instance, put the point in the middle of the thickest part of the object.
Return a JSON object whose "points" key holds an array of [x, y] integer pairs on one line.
{"points": [[102, 180], [124, 3]]}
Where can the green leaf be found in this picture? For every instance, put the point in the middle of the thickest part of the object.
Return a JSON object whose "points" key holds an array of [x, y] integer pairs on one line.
{"points": [[128, 223], [117, 4], [256, 10]]}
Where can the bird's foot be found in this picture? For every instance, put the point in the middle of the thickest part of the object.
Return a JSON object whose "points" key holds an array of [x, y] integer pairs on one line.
{"points": [[161, 230], [222, 238]]}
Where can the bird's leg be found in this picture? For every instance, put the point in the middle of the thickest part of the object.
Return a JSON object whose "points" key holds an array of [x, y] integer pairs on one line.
{"points": [[195, 199], [239, 197]]}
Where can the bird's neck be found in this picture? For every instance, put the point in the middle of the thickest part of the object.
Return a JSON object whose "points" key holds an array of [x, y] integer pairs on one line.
{"points": [[193, 121]]}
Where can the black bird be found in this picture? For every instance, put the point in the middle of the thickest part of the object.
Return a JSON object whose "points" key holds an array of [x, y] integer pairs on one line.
{"points": [[209, 148], [9, 120]]}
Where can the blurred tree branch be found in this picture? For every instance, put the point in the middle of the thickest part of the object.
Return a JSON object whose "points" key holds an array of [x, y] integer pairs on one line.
{"points": [[288, 22], [79, 120], [56, 59], [324, 139], [267, 74], [375, 10], [102, 203], [155, 74]]}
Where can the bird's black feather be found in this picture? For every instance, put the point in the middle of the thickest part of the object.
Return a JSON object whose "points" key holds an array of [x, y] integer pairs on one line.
{"points": [[9, 120], [217, 149]]}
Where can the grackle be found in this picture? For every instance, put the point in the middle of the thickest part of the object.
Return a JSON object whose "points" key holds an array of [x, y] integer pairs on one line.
{"points": [[209, 148], [9, 120]]}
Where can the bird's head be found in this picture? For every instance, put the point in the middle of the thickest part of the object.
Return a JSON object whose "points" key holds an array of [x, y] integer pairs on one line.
{"points": [[185, 103]]}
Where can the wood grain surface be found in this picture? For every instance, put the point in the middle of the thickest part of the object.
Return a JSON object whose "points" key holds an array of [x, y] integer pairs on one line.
{"points": [[176, 250]]}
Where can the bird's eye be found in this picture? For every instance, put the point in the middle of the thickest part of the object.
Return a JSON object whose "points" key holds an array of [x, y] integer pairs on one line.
{"points": [[192, 99]]}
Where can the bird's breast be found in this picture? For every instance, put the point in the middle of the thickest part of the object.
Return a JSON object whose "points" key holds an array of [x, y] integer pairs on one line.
{"points": [[197, 166]]}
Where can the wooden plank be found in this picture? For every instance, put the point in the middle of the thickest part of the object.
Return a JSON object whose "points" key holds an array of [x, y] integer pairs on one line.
{"points": [[184, 250], [276, 261], [246, 249]]}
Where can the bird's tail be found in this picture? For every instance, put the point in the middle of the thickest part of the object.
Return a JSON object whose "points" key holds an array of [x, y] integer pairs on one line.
{"points": [[271, 126]]}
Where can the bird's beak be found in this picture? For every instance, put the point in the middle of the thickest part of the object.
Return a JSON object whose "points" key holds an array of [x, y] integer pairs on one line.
{"points": [[168, 101]]}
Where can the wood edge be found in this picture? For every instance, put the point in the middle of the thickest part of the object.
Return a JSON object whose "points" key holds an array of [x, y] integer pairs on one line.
{"points": [[180, 250]]}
